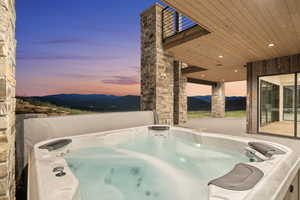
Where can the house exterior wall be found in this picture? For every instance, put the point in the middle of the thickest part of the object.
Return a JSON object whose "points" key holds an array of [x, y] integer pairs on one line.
{"points": [[282, 65], [157, 68], [7, 99]]}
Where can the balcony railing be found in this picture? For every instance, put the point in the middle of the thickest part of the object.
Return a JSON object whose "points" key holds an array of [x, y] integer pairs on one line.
{"points": [[174, 22]]}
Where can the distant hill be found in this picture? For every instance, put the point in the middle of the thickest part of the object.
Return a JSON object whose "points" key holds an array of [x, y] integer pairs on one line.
{"points": [[203, 98], [92, 102], [198, 104], [43, 109], [110, 103], [236, 103]]}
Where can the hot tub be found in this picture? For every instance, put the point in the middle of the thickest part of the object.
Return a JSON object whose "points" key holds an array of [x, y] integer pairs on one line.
{"points": [[159, 162]]}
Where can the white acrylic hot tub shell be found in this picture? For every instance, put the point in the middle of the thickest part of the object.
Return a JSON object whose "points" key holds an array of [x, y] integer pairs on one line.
{"points": [[42, 180], [43, 185]]}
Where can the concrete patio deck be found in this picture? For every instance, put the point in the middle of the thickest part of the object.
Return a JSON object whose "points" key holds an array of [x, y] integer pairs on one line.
{"points": [[237, 127]]}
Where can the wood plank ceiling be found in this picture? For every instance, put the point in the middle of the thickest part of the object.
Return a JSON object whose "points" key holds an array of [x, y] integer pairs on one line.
{"points": [[241, 32]]}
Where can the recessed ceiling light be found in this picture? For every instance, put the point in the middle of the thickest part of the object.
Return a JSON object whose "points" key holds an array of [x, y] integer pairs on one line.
{"points": [[236, 70], [271, 45], [220, 56]]}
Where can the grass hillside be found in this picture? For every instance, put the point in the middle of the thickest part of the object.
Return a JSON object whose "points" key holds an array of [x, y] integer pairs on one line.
{"points": [[30, 106], [202, 114]]}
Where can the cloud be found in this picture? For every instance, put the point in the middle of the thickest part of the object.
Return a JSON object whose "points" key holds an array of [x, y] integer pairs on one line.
{"points": [[54, 57], [68, 42], [121, 80], [46, 56], [80, 42], [78, 76], [99, 29]]}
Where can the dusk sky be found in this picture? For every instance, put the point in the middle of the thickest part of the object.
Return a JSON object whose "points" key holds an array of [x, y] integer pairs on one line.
{"points": [[84, 47]]}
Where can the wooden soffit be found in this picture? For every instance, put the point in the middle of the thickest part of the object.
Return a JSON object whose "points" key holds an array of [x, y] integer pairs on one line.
{"points": [[241, 31]]}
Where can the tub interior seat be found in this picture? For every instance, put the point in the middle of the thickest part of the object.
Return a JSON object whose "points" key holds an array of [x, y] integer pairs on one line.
{"points": [[242, 177]]}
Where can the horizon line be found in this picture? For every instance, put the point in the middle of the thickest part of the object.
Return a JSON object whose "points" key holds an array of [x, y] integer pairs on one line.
{"points": [[103, 94]]}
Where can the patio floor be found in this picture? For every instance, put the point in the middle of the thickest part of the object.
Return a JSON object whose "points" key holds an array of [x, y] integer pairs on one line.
{"points": [[237, 127], [280, 128]]}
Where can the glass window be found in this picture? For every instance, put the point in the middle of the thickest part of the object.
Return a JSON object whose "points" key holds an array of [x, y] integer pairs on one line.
{"points": [[288, 105], [276, 104], [298, 105]]}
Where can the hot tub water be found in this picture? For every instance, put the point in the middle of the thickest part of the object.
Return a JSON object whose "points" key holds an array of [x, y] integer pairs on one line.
{"points": [[152, 167]]}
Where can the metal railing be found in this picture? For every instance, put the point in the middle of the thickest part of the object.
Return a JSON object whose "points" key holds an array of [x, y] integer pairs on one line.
{"points": [[174, 22]]}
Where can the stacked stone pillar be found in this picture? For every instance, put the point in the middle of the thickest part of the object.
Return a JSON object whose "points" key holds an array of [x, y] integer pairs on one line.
{"points": [[180, 96], [157, 71], [218, 100], [156, 68], [7, 99]]}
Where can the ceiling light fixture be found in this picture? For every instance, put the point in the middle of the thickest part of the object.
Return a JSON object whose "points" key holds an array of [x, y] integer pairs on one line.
{"points": [[220, 56], [271, 45], [236, 71]]}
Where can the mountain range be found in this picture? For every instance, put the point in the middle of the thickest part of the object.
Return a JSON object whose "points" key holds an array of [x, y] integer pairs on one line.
{"points": [[106, 103]]}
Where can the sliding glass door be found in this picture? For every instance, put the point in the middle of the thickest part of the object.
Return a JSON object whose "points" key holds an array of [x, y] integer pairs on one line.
{"points": [[277, 105], [269, 109], [288, 103]]}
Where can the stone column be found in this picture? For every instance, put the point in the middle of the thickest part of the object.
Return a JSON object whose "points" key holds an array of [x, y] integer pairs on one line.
{"points": [[180, 97], [156, 67], [7, 99], [218, 100]]}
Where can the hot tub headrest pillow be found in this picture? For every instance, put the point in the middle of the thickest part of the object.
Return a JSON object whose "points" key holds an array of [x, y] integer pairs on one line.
{"points": [[265, 149], [242, 177]]}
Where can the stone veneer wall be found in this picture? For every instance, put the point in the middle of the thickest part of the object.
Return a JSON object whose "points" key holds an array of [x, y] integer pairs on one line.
{"points": [[218, 100], [156, 68], [7, 99], [180, 96]]}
